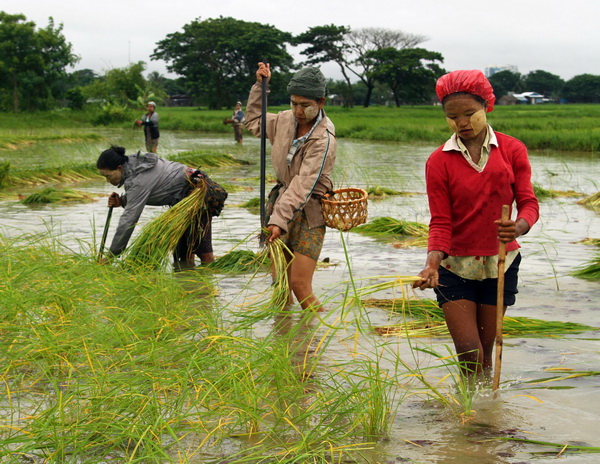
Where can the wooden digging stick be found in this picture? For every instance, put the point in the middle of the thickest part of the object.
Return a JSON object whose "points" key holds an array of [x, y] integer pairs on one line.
{"points": [[500, 306]]}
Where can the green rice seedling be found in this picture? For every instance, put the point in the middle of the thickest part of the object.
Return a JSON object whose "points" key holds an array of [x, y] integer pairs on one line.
{"points": [[240, 261], [159, 237], [590, 271], [253, 204], [203, 158], [389, 227], [591, 201], [590, 241], [378, 192], [53, 195], [65, 174], [542, 193], [424, 318]]}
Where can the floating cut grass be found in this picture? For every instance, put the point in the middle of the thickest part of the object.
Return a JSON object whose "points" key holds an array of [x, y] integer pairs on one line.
{"points": [[53, 195], [240, 261], [426, 319], [159, 237], [389, 227], [64, 174]]}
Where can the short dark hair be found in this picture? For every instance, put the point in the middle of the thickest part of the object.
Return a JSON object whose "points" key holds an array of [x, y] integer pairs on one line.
{"points": [[112, 158]]}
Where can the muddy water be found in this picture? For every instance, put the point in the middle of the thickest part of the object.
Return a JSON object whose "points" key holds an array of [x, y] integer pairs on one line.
{"points": [[421, 432]]}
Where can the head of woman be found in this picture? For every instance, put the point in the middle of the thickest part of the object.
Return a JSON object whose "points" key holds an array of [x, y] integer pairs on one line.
{"points": [[307, 89], [151, 107], [110, 164], [466, 97]]}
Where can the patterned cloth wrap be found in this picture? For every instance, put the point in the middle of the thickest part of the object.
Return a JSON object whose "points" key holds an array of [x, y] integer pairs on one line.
{"points": [[215, 194]]}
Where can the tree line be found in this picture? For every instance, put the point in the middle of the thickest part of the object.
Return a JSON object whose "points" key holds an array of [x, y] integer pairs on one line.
{"points": [[216, 59]]}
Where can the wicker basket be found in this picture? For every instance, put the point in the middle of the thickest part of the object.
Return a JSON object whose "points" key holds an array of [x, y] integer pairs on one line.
{"points": [[346, 209]]}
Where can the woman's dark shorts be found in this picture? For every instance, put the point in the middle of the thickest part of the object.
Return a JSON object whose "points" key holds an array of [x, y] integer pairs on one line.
{"points": [[199, 245], [453, 287], [300, 239]]}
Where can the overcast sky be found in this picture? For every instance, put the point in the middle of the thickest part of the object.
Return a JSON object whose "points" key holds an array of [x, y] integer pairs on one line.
{"points": [[561, 37]]}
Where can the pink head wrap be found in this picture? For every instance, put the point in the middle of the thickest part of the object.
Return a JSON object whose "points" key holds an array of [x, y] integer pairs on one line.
{"points": [[473, 82]]}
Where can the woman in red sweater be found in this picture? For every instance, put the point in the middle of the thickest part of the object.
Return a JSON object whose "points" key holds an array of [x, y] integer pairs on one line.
{"points": [[469, 178]]}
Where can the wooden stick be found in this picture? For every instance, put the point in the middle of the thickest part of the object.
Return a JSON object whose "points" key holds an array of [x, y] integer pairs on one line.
{"points": [[500, 305], [105, 234], [263, 160]]}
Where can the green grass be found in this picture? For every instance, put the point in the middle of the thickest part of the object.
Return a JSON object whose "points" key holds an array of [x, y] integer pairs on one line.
{"points": [[540, 127], [388, 227], [53, 195]]}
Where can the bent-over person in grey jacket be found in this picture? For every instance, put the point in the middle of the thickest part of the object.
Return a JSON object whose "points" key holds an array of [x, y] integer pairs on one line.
{"points": [[149, 180]]}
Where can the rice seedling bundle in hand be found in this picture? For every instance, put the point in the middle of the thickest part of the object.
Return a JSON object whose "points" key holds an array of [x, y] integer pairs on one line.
{"points": [[159, 237]]}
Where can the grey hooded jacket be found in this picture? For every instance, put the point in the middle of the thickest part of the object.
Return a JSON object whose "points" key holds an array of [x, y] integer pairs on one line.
{"points": [[148, 180]]}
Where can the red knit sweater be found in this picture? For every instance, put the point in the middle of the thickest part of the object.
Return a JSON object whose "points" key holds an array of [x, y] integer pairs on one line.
{"points": [[465, 203]]}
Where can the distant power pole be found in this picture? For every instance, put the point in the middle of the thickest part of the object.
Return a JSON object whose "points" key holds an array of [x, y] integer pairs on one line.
{"points": [[129, 52]]}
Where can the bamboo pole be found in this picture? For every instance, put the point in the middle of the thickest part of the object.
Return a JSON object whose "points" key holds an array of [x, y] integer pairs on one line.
{"points": [[263, 160], [500, 305], [105, 234]]}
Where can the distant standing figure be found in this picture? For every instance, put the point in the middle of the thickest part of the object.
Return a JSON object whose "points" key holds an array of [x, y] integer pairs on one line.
{"points": [[237, 120], [150, 123]]}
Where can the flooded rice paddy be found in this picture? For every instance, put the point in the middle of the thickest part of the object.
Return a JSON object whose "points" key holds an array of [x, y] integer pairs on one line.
{"points": [[422, 431]]}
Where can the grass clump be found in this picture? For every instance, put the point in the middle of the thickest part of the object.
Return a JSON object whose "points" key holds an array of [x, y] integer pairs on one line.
{"points": [[253, 205], [405, 233], [542, 193], [204, 158], [54, 195], [424, 318], [239, 262], [378, 192], [590, 271], [591, 201]]}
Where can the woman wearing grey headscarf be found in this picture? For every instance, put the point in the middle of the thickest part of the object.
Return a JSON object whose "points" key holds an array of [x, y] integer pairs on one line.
{"points": [[303, 154]]}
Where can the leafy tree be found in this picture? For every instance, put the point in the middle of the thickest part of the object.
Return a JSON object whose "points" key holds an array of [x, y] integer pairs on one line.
{"points": [[82, 77], [119, 86], [218, 57], [504, 82], [362, 41], [32, 62], [584, 88], [410, 73], [327, 43], [543, 82]]}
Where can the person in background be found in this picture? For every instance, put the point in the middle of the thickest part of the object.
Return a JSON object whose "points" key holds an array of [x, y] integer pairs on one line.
{"points": [[150, 180], [237, 121], [303, 154], [150, 123], [468, 180]]}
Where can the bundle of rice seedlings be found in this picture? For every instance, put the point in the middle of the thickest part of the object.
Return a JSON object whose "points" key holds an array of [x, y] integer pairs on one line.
{"points": [[240, 261], [590, 241], [389, 227], [541, 192], [253, 204], [591, 271], [426, 319], [276, 252], [378, 192], [592, 201], [53, 195], [159, 237], [204, 157]]}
